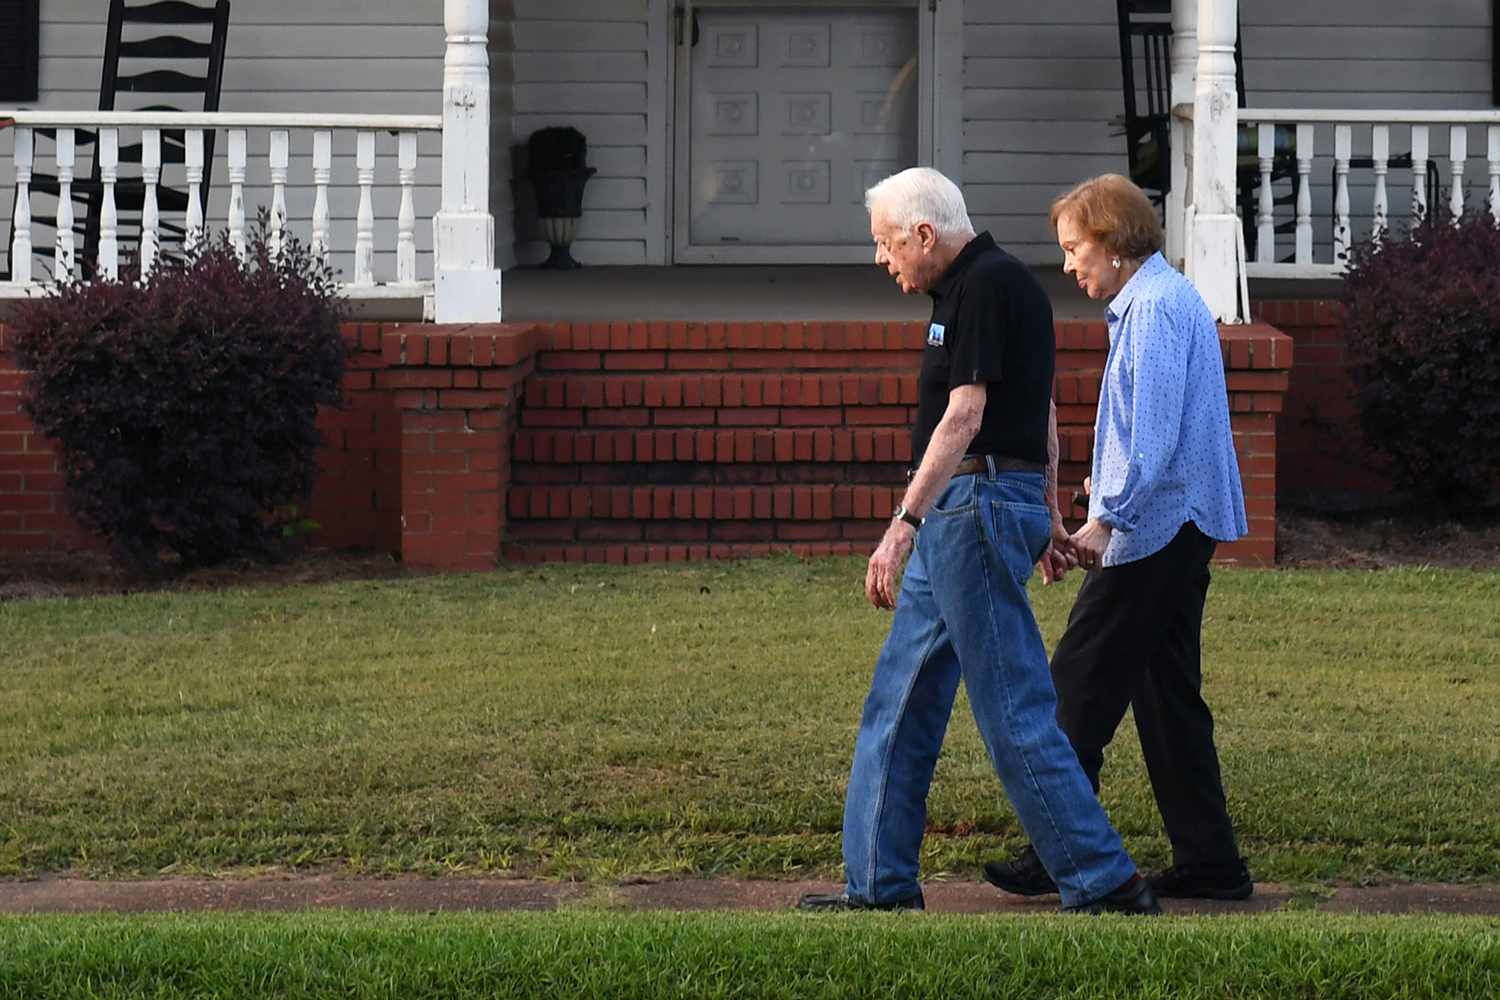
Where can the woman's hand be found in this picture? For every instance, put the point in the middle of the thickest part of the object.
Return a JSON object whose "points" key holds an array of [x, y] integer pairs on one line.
{"points": [[1089, 543]]}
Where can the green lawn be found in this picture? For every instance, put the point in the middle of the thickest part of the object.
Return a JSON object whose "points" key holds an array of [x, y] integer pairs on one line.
{"points": [[657, 957], [604, 722]]}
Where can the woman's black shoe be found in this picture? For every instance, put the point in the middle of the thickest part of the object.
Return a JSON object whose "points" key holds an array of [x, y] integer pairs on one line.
{"points": [[1226, 881], [835, 902]]}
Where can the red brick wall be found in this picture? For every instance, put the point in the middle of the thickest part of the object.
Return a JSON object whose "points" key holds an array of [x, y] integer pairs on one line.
{"points": [[1322, 462], [647, 442], [636, 442]]}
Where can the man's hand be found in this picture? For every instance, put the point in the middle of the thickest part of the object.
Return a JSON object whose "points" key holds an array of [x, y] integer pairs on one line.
{"points": [[1089, 543], [884, 571], [1059, 557]]}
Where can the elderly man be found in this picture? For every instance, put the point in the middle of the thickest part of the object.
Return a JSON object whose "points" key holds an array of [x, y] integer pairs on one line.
{"points": [[974, 520]]}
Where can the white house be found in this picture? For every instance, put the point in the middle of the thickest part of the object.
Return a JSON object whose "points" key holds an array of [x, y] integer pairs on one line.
{"points": [[736, 131]]}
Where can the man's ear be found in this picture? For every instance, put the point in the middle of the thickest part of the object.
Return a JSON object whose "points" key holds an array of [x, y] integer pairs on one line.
{"points": [[927, 235]]}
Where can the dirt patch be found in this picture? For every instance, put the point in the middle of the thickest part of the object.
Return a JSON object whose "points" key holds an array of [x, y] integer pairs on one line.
{"points": [[407, 894], [1385, 539]]}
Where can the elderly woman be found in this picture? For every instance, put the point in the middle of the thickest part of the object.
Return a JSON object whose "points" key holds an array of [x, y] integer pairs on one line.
{"points": [[1164, 489]]}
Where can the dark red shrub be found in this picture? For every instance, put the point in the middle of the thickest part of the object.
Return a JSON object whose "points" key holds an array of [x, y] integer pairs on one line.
{"points": [[184, 408], [1422, 317]]}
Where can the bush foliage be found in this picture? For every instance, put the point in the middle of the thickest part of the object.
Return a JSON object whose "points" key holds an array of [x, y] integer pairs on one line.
{"points": [[1422, 318], [184, 406]]}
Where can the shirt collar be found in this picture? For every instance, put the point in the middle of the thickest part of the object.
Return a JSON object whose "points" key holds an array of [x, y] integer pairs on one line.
{"points": [[978, 245], [1151, 266]]}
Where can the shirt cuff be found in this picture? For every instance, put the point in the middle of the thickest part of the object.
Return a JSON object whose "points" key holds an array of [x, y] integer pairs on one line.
{"points": [[1105, 517]]}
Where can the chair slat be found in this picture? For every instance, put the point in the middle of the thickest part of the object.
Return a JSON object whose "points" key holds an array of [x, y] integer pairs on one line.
{"points": [[169, 12], [166, 47], [161, 81]]}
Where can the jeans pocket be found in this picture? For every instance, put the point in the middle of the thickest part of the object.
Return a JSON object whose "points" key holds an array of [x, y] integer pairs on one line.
{"points": [[1022, 531], [958, 497]]}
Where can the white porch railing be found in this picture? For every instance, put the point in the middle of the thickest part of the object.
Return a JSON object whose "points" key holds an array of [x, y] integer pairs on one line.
{"points": [[316, 231], [1330, 137]]}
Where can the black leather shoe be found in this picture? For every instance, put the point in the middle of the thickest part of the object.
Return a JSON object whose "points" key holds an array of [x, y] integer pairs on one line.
{"points": [[1023, 875], [1134, 898], [1224, 881], [836, 902]]}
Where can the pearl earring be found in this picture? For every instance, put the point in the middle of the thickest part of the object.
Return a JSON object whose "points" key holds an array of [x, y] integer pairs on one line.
{"points": [[1116, 263]]}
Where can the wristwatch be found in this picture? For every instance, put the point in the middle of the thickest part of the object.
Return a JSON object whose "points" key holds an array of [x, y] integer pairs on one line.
{"points": [[901, 513]]}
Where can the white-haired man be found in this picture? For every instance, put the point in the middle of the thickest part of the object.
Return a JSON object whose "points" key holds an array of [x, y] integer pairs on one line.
{"points": [[976, 517]]}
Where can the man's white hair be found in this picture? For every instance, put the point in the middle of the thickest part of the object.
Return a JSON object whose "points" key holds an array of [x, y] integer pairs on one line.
{"points": [[921, 194]]}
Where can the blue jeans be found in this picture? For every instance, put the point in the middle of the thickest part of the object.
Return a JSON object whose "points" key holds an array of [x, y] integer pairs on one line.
{"points": [[963, 612]]}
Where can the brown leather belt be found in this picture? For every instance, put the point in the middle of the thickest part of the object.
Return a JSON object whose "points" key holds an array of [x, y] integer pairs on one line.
{"points": [[972, 465]]}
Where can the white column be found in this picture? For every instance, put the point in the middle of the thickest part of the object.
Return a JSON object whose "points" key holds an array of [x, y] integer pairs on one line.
{"points": [[1343, 144], [237, 167], [364, 217], [1184, 77], [1214, 241], [1494, 199], [467, 283], [20, 247], [1305, 152], [150, 210], [109, 215], [280, 158], [1380, 152], [63, 251], [406, 219], [194, 160], [1458, 154], [322, 174]]}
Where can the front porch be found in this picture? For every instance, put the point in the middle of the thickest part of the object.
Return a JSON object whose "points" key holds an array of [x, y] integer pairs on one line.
{"points": [[647, 412]]}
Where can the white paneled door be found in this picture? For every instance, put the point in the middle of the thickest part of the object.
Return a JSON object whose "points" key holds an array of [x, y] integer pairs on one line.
{"points": [[786, 115]]}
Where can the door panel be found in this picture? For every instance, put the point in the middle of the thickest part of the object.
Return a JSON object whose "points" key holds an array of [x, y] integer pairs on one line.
{"points": [[792, 115]]}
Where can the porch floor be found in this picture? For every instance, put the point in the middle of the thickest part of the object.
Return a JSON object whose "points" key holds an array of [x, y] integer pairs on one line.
{"points": [[771, 293]]}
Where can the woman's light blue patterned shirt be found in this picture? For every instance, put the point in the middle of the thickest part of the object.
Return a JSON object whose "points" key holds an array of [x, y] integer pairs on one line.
{"points": [[1163, 451]]}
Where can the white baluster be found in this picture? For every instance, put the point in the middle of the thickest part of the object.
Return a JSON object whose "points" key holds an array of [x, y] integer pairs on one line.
{"points": [[280, 157], [406, 223], [109, 216], [1304, 194], [1495, 173], [1343, 144], [1265, 219], [62, 253], [1418, 174], [322, 173], [364, 235], [1380, 153], [1458, 153], [237, 164], [20, 247], [194, 162], [150, 211]]}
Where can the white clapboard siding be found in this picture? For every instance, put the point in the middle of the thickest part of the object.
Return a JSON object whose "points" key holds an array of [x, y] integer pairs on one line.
{"points": [[1042, 83], [588, 64]]}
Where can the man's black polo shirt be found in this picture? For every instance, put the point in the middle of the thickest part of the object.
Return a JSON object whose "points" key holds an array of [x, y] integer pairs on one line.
{"points": [[991, 323]]}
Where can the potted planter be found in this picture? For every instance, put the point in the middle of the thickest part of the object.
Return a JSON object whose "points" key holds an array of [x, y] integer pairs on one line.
{"points": [[557, 168]]}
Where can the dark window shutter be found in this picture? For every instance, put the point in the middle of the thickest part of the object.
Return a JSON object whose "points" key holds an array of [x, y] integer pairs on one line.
{"points": [[19, 41]]}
